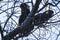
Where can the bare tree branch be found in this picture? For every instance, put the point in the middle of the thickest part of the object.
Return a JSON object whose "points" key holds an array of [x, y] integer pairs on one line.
{"points": [[25, 23], [48, 4], [1, 31]]}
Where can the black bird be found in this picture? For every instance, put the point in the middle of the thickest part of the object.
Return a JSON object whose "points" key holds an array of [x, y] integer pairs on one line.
{"points": [[24, 13], [42, 17]]}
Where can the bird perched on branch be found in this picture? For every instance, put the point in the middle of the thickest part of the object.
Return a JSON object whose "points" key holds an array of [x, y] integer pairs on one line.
{"points": [[43, 17], [38, 19], [24, 13]]}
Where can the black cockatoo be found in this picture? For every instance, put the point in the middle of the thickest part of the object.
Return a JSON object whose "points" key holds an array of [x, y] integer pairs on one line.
{"points": [[42, 17], [24, 13]]}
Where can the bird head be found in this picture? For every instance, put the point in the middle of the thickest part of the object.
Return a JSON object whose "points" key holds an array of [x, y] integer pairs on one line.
{"points": [[49, 13], [24, 6]]}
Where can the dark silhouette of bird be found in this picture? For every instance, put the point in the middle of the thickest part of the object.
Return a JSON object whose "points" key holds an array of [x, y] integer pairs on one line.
{"points": [[43, 17], [24, 13]]}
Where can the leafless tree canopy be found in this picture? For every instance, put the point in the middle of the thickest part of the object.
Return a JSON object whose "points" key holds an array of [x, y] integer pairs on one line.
{"points": [[10, 25]]}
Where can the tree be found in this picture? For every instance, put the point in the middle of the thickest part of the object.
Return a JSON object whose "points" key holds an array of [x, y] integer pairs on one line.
{"points": [[35, 10]]}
